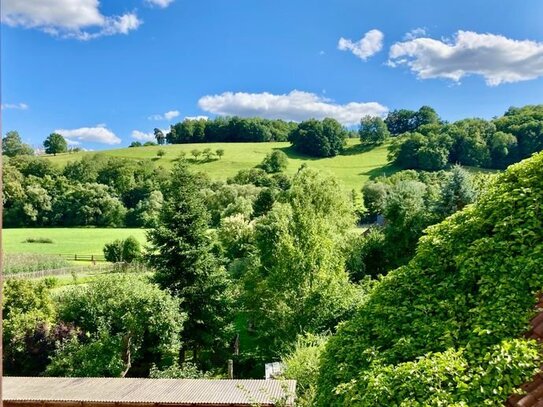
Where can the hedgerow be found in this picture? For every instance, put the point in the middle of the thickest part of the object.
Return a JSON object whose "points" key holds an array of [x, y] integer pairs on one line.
{"points": [[446, 330]]}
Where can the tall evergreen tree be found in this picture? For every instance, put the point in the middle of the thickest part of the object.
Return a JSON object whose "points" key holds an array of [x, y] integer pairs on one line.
{"points": [[457, 192], [181, 253]]}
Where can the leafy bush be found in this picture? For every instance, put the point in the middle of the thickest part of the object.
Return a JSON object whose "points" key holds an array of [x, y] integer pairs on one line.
{"points": [[127, 250], [187, 370], [276, 161], [445, 329], [127, 322], [302, 365]]}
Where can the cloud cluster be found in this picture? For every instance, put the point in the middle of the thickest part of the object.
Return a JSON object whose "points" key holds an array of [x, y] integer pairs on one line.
{"points": [[172, 114], [143, 137], [295, 106], [14, 106], [80, 19], [370, 44], [159, 3], [494, 57], [98, 134]]}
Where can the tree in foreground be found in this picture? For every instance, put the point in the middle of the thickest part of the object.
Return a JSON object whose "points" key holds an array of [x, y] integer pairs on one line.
{"points": [[448, 328], [55, 144], [126, 324], [299, 283], [181, 252], [12, 145], [373, 130]]}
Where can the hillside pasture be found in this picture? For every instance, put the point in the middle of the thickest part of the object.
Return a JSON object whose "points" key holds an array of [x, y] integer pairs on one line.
{"points": [[354, 167]]}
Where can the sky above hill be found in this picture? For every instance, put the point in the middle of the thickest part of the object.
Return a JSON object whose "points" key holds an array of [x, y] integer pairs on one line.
{"points": [[105, 73]]}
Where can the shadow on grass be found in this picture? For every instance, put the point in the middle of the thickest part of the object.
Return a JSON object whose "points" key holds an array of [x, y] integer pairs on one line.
{"points": [[358, 149], [292, 153], [386, 170]]}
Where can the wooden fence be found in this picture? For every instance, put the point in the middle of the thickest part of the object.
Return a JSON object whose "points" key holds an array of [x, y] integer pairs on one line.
{"points": [[84, 257]]}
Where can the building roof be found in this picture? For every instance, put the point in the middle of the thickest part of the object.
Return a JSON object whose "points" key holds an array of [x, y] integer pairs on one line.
{"points": [[149, 391]]}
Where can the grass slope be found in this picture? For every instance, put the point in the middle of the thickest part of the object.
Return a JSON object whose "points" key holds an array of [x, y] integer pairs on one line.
{"points": [[353, 168], [65, 240]]}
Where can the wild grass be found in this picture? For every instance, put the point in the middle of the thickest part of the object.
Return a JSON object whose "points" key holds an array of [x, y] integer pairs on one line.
{"points": [[29, 262]]}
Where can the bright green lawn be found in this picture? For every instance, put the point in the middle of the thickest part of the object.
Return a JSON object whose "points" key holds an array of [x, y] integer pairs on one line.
{"points": [[66, 240], [354, 167]]}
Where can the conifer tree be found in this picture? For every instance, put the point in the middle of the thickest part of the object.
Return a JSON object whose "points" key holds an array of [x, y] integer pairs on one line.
{"points": [[181, 253]]}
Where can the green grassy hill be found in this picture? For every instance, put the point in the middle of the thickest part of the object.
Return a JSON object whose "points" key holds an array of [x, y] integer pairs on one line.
{"points": [[353, 168]]}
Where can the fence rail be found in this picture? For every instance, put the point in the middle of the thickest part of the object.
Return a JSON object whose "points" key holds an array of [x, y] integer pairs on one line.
{"points": [[83, 257]]}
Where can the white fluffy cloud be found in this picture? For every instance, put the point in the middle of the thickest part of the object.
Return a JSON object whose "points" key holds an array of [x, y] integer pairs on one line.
{"points": [[79, 19], [370, 44], [98, 134], [296, 106], [14, 106], [172, 114], [496, 58], [141, 136], [159, 3]]}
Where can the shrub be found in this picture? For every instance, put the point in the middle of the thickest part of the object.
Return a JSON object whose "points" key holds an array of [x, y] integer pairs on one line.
{"points": [[446, 328], [38, 240], [160, 153], [127, 250], [276, 161]]}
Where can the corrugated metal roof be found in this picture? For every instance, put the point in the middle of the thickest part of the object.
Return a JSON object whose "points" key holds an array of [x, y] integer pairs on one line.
{"points": [[166, 391]]}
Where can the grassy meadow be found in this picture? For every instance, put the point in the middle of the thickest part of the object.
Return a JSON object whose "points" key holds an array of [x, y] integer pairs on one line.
{"points": [[65, 240], [353, 168]]}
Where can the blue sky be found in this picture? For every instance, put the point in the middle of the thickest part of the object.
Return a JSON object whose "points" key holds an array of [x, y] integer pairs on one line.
{"points": [[106, 73]]}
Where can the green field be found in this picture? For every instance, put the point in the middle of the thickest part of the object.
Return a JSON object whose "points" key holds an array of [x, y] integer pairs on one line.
{"points": [[353, 168], [65, 240]]}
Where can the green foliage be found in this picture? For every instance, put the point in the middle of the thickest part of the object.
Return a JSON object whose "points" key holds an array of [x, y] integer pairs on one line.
{"points": [[457, 192], [368, 255], [12, 145], [306, 230], [373, 130], [316, 138], [128, 324], [375, 195], [404, 121], [302, 364], [123, 250], [160, 153], [450, 319], [26, 305], [229, 129], [55, 144], [276, 161], [187, 370], [181, 253]]}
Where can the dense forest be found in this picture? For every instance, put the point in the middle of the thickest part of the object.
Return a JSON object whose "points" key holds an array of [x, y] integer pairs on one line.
{"points": [[415, 295]]}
